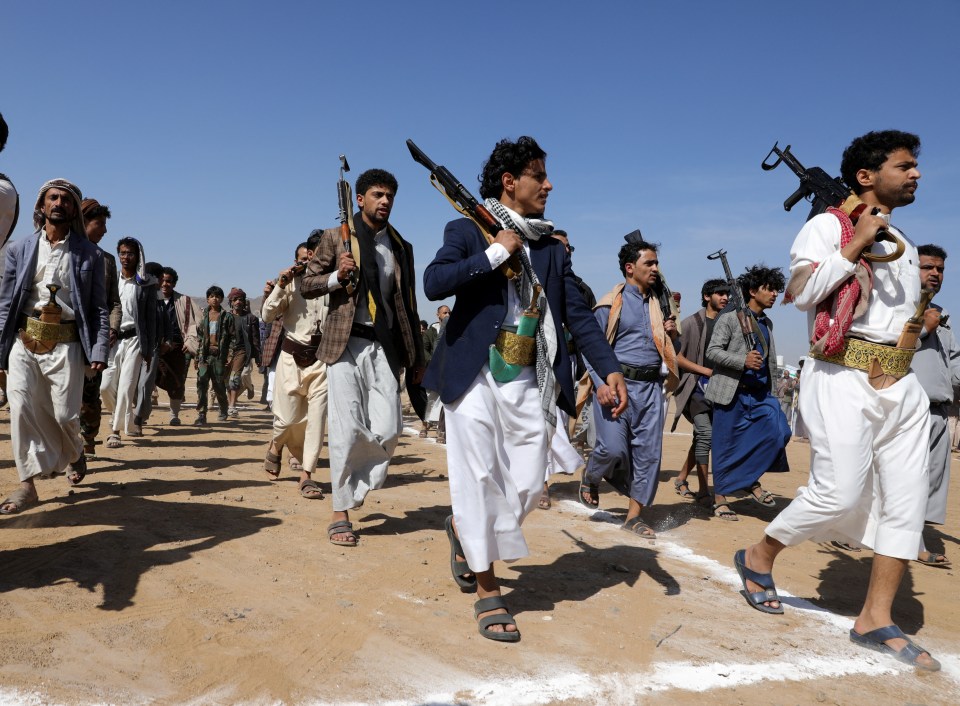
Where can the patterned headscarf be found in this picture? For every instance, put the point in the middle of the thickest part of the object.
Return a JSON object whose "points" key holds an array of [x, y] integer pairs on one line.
{"points": [[77, 224]]}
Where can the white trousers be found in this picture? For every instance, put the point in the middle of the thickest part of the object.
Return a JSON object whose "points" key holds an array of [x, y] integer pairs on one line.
{"points": [[868, 463], [118, 388], [563, 457], [365, 421], [496, 452], [300, 409], [434, 405], [45, 392]]}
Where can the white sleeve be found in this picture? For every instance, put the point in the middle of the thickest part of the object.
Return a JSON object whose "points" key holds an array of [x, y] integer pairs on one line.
{"points": [[817, 246]]}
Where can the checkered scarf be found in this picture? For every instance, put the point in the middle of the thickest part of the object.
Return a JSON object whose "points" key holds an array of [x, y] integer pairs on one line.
{"points": [[534, 229]]}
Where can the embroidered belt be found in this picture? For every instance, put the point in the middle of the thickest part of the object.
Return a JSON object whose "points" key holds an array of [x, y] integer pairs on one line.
{"points": [[645, 373], [516, 349], [42, 337], [860, 354]]}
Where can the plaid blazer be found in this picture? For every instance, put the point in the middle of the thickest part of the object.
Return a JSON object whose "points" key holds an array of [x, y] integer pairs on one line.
{"points": [[343, 306], [729, 351]]}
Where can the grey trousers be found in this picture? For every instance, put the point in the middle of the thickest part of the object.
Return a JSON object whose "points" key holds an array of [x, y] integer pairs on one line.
{"points": [[938, 465], [363, 412]]}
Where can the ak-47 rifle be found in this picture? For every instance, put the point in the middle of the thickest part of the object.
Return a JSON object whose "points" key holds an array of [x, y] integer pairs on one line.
{"points": [[465, 203], [347, 231], [825, 191], [736, 299]]}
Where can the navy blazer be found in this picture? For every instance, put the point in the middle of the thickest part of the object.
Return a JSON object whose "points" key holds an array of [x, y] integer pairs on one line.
{"points": [[461, 268], [88, 294]]}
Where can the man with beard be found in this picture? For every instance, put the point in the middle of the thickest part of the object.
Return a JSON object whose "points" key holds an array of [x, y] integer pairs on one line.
{"points": [[53, 322], [868, 419], [499, 381], [372, 331], [937, 366], [95, 217], [136, 341], [179, 317]]}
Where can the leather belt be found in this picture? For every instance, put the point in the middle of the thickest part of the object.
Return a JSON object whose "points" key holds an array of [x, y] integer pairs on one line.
{"points": [[362, 331], [645, 373], [859, 354], [124, 335], [303, 354]]}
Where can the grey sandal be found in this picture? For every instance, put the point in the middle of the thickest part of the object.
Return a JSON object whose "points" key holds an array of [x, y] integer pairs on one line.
{"points": [[494, 603]]}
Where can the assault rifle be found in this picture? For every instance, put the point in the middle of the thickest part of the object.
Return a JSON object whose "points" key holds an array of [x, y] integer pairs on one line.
{"points": [[736, 299], [825, 191], [465, 203], [347, 230]]}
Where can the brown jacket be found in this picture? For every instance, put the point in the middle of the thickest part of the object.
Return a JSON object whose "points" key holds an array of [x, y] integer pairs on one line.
{"points": [[343, 306]]}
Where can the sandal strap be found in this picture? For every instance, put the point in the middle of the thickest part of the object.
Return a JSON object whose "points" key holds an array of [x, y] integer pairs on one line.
{"points": [[497, 619], [765, 580], [489, 603], [765, 596], [340, 527]]}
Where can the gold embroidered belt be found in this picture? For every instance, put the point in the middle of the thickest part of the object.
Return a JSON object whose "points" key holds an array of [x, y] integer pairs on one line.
{"points": [[860, 354], [516, 349], [42, 337]]}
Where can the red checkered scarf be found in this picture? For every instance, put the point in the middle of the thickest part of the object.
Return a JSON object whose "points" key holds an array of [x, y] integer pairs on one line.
{"points": [[845, 304]]}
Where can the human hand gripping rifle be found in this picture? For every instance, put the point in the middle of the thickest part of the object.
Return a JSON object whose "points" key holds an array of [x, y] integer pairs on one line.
{"points": [[825, 191], [465, 203], [347, 231], [736, 298]]}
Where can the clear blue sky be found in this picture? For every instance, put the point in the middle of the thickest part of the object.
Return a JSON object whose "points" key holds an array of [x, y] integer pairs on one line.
{"points": [[212, 129]]}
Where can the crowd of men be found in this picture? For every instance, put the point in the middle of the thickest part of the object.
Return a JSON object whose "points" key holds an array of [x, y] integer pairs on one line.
{"points": [[496, 373]]}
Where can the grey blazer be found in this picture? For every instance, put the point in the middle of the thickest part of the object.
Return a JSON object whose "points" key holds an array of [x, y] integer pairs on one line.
{"points": [[729, 351], [87, 293]]}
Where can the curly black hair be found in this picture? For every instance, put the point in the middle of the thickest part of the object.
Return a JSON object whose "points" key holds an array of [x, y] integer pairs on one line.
{"points": [[758, 276], [713, 286], [507, 157], [931, 250], [631, 251], [375, 177], [870, 151], [214, 290], [172, 273]]}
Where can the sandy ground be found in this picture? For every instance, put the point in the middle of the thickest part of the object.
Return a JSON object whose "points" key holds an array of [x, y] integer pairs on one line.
{"points": [[179, 572]]}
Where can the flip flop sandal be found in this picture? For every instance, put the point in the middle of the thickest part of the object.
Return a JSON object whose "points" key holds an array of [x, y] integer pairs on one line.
{"points": [[640, 528], [113, 442], [590, 489], [21, 499], [462, 574], [685, 493], [310, 490], [757, 599], [77, 471], [728, 514], [271, 464], [908, 654], [494, 603], [934, 559], [342, 527]]}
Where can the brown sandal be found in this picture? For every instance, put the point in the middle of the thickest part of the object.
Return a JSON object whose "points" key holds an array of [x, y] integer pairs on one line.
{"points": [[271, 464]]}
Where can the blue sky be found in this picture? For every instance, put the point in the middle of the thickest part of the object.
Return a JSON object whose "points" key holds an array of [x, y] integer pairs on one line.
{"points": [[212, 129]]}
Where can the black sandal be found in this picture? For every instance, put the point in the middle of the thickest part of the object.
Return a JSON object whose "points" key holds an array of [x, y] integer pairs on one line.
{"points": [[462, 574], [590, 489]]}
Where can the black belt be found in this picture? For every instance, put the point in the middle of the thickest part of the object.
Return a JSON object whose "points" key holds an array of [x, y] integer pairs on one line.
{"points": [[361, 331], [124, 335], [645, 373]]}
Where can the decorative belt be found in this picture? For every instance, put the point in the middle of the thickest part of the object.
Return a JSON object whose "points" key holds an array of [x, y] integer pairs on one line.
{"points": [[516, 349], [122, 335], [860, 354], [645, 373], [363, 331], [42, 337]]}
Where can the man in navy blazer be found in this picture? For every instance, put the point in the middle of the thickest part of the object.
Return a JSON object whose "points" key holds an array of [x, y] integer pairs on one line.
{"points": [[45, 373], [497, 428]]}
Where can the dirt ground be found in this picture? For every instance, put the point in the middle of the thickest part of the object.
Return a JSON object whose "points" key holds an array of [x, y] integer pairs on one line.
{"points": [[179, 572]]}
